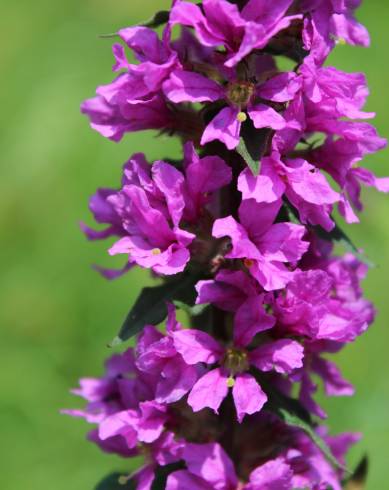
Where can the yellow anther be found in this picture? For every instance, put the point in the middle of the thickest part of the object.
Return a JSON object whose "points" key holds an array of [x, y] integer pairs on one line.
{"points": [[342, 41], [156, 251], [230, 382], [241, 117]]}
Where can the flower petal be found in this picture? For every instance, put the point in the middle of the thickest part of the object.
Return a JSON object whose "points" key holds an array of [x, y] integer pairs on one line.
{"points": [[248, 396], [224, 127], [209, 391], [282, 355], [187, 86], [264, 116]]}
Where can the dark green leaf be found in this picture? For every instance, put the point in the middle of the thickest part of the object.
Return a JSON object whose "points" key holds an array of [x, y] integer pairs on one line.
{"points": [[158, 19], [191, 310], [150, 307], [162, 473], [111, 482], [253, 144], [244, 153], [357, 480]]}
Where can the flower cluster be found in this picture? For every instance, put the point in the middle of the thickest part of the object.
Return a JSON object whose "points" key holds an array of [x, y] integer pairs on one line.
{"points": [[244, 226]]}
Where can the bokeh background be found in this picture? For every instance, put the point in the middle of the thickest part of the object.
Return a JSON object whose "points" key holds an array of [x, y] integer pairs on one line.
{"points": [[56, 313]]}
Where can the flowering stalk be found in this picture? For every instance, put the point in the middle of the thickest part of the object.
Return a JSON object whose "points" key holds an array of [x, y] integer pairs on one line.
{"points": [[241, 233]]}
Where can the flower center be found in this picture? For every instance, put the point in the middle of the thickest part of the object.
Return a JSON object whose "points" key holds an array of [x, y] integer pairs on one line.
{"points": [[235, 361], [239, 93], [156, 251]]}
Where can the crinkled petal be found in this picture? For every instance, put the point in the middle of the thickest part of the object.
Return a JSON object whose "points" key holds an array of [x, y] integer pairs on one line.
{"points": [[197, 346], [212, 464], [248, 396], [264, 116], [187, 86], [250, 319], [282, 355], [273, 475], [224, 127], [209, 391]]}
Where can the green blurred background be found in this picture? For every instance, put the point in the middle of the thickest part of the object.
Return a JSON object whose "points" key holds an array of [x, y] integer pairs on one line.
{"points": [[56, 313]]}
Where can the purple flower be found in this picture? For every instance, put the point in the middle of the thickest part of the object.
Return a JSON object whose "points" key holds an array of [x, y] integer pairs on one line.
{"points": [[347, 144], [185, 86], [229, 290], [158, 356], [132, 102], [304, 186], [265, 247], [310, 308], [148, 211], [331, 21], [210, 468], [220, 23], [113, 120], [234, 362]]}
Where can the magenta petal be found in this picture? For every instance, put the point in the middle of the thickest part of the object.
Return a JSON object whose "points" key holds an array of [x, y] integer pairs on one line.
{"points": [[281, 88], [197, 346], [248, 396], [242, 246], [187, 86], [262, 188], [273, 475], [224, 127], [270, 275], [334, 383], [251, 319], [210, 462], [284, 242], [170, 181], [368, 178], [209, 391], [282, 355], [309, 183], [151, 423], [123, 423], [184, 480], [177, 379], [264, 116]]}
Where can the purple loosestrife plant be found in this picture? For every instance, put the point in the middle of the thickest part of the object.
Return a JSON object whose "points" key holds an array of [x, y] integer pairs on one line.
{"points": [[240, 233]]}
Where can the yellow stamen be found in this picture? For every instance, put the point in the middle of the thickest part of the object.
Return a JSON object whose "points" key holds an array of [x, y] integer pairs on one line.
{"points": [[230, 382], [341, 41], [241, 117], [156, 251]]}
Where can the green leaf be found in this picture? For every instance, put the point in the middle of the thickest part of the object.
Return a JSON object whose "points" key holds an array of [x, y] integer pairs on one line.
{"points": [[195, 310], [244, 153], [111, 482], [157, 20], [253, 144], [150, 307], [162, 473], [357, 480]]}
